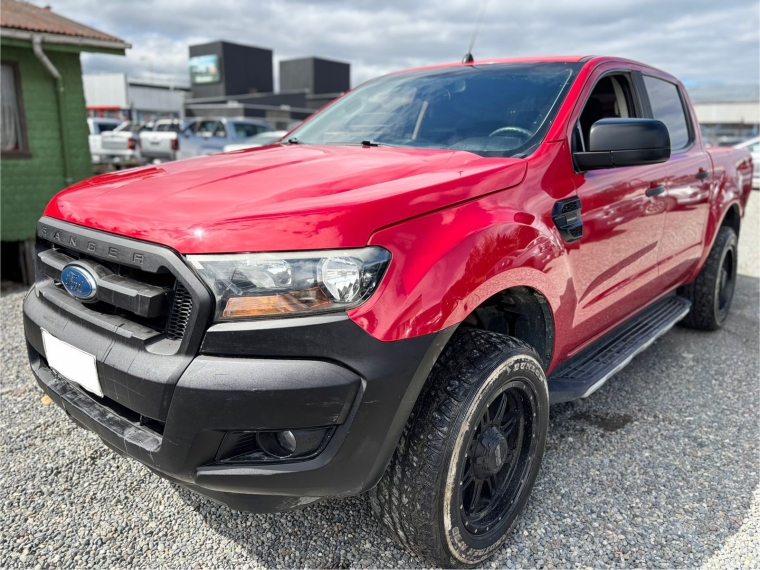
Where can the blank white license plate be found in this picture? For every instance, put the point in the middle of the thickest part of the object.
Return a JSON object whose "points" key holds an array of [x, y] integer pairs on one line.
{"points": [[73, 364]]}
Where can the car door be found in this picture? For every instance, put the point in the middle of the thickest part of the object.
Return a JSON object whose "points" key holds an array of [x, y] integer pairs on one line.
{"points": [[211, 134], [216, 138], [687, 178], [615, 264]]}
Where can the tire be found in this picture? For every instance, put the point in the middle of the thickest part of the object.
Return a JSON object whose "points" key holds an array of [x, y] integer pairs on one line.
{"points": [[449, 448], [712, 291]]}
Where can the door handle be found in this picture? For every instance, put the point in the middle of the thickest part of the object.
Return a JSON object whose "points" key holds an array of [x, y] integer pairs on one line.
{"points": [[655, 190], [702, 174]]}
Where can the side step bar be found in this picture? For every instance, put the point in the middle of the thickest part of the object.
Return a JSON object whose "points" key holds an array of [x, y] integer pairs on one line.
{"points": [[588, 370]]}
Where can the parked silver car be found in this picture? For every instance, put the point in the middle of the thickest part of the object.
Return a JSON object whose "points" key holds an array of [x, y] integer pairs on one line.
{"points": [[262, 139], [753, 145], [210, 135]]}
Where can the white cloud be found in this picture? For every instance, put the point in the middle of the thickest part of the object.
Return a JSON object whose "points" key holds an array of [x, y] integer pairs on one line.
{"points": [[697, 40]]}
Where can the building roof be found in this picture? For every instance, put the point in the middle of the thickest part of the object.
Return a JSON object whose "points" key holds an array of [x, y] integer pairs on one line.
{"points": [[26, 16], [736, 93]]}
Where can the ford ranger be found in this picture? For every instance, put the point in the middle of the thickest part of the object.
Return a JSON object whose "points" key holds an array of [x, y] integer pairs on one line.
{"points": [[389, 299]]}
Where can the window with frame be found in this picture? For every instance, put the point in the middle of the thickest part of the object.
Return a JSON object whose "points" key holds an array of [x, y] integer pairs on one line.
{"points": [[12, 125], [667, 106], [611, 98], [247, 130]]}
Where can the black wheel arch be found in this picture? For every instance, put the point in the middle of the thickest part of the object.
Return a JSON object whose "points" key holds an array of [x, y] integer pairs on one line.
{"points": [[732, 218], [520, 312]]}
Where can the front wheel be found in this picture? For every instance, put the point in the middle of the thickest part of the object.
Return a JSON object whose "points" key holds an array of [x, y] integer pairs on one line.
{"points": [[470, 452]]}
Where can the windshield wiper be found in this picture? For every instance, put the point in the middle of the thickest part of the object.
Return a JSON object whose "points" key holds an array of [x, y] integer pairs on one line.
{"points": [[293, 140], [377, 143]]}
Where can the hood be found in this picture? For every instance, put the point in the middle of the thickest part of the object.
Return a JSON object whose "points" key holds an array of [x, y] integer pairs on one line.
{"points": [[280, 198]]}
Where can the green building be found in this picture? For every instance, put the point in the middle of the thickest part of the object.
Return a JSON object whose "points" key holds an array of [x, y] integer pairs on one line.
{"points": [[44, 143]]}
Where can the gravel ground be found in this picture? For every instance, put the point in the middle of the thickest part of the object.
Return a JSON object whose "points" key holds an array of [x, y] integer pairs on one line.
{"points": [[658, 469]]}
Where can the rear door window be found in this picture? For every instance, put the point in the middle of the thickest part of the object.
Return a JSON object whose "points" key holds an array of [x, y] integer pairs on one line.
{"points": [[105, 127], [247, 130], [667, 106]]}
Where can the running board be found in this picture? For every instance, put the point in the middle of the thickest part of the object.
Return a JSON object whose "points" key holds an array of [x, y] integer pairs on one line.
{"points": [[586, 372]]}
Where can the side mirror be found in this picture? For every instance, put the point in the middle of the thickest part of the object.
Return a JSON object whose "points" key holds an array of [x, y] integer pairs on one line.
{"points": [[624, 142]]}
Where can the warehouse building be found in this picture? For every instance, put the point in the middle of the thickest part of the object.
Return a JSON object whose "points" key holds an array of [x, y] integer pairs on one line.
{"points": [[116, 96], [44, 128], [727, 114]]}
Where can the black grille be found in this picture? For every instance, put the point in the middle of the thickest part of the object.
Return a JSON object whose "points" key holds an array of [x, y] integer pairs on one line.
{"points": [[570, 206], [173, 322], [179, 315], [576, 231]]}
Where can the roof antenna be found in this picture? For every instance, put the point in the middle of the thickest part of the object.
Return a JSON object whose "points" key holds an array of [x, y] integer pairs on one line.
{"points": [[468, 56]]}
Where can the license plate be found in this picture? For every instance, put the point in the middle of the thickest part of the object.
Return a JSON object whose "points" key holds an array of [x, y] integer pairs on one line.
{"points": [[73, 364]]}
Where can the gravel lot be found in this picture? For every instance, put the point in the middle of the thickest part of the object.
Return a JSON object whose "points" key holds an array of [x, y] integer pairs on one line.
{"points": [[658, 469]]}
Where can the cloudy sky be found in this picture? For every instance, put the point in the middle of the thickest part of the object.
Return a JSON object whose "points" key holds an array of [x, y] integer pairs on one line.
{"points": [[700, 41]]}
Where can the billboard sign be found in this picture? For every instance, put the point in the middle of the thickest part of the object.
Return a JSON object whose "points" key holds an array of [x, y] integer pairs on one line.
{"points": [[204, 69]]}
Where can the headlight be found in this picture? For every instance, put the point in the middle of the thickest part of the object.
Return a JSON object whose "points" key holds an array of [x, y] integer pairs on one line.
{"points": [[251, 285]]}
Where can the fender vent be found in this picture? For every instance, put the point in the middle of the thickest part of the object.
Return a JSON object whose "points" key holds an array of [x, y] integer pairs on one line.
{"points": [[567, 217], [182, 308], [569, 206]]}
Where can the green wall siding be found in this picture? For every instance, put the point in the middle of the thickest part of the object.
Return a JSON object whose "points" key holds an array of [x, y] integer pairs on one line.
{"points": [[27, 184]]}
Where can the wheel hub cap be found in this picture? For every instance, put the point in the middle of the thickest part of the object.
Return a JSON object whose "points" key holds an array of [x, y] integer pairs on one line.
{"points": [[493, 452]]}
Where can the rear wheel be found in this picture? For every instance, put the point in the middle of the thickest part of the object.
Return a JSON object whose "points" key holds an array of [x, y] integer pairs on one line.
{"points": [[470, 453], [712, 291]]}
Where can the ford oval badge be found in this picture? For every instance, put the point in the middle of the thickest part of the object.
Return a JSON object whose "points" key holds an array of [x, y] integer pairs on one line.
{"points": [[79, 282]]}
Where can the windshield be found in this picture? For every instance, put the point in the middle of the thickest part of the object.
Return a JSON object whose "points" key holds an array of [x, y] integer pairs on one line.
{"points": [[491, 110]]}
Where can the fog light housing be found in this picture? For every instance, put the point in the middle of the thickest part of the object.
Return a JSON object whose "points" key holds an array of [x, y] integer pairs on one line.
{"points": [[287, 440], [273, 446]]}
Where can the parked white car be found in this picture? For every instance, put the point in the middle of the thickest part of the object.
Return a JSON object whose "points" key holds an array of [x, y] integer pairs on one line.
{"points": [[97, 127], [160, 142], [210, 135], [121, 146], [262, 139], [753, 145]]}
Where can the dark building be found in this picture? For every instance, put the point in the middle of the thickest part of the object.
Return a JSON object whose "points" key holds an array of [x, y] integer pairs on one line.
{"points": [[231, 80], [314, 74], [221, 69]]}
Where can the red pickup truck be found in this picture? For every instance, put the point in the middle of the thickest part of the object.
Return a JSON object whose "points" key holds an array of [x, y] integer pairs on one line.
{"points": [[391, 298]]}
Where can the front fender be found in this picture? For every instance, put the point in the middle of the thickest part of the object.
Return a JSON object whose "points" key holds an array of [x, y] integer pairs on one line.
{"points": [[448, 262]]}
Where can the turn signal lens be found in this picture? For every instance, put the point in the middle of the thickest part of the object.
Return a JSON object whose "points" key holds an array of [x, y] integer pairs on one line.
{"points": [[298, 301]]}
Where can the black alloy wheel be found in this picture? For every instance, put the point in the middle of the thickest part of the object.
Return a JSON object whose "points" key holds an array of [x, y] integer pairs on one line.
{"points": [[470, 452], [498, 455]]}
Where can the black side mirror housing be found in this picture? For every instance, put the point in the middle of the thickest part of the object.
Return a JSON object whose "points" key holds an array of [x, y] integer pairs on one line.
{"points": [[624, 142]]}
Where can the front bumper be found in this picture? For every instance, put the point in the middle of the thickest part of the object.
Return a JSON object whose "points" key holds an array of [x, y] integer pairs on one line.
{"points": [[267, 375]]}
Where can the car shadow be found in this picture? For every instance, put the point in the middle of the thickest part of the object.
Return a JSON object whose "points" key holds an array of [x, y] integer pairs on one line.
{"points": [[657, 468]]}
